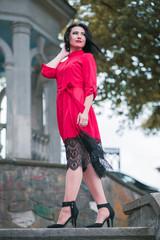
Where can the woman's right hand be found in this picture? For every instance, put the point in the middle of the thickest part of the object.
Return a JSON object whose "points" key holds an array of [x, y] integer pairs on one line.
{"points": [[64, 52], [61, 55]]}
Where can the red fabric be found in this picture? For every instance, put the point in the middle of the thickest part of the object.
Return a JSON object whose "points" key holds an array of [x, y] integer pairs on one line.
{"points": [[76, 78]]}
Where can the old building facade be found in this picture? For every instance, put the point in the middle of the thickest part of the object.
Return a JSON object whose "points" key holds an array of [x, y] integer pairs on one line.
{"points": [[29, 36]]}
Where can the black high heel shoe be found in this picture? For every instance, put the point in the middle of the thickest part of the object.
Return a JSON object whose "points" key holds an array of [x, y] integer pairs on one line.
{"points": [[74, 215], [108, 219]]}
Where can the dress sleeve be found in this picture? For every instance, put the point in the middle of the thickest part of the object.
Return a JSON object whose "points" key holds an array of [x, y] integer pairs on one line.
{"points": [[48, 72], [90, 75]]}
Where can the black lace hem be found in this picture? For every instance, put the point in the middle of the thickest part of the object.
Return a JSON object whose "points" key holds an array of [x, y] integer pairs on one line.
{"points": [[84, 149], [76, 153], [97, 155]]}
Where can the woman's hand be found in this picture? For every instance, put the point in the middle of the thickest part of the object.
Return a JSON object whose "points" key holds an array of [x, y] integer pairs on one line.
{"points": [[64, 53], [61, 55], [82, 119]]}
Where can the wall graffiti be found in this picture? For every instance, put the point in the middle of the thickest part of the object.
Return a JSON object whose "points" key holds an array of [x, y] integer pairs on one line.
{"points": [[32, 196]]}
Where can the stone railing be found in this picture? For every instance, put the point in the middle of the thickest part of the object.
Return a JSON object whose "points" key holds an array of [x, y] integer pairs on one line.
{"points": [[39, 146], [145, 212]]}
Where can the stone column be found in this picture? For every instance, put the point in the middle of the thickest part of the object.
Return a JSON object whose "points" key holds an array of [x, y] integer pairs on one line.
{"points": [[21, 91], [36, 100], [51, 122], [9, 72]]}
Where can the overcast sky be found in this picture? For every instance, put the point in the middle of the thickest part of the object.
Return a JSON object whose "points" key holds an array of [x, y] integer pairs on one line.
{"points": [[140, 154]]}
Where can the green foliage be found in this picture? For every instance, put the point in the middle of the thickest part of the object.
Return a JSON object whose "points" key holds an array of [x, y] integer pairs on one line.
{"points": [[128, 32]]}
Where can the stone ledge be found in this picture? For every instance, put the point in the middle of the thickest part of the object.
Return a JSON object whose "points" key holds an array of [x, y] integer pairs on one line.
{"points": [[27, 162], [152, 199], [126, 233]]}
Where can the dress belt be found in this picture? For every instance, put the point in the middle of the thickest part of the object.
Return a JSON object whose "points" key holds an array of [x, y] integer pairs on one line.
{"points": [[68, 88]]}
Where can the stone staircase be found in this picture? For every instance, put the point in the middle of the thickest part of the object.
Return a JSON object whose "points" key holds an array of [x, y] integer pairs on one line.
{"points": [[126, 233], [143, 224]]}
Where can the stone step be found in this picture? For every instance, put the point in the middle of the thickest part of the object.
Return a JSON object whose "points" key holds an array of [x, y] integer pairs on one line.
{"points": [[124, 233]]}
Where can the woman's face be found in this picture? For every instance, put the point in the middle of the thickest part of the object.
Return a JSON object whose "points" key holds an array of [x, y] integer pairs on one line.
{"points": [[77, 38]]}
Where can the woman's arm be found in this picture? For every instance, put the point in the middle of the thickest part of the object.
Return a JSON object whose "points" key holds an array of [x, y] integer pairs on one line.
{"points": [[63, 53], [49, 69], [82, 118]]}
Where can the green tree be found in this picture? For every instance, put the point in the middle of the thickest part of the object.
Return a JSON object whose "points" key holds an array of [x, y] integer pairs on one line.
{"points": [[128, 32]]}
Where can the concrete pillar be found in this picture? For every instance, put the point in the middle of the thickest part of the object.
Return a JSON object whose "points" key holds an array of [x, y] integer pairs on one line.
{"points": [[51, 122], [9, 72], [37, 123], [21, 137]]}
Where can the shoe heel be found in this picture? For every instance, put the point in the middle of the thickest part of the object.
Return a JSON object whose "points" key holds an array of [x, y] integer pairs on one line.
{"points": [[108, 223], [74, 222], [74, 218], [111, 222]]}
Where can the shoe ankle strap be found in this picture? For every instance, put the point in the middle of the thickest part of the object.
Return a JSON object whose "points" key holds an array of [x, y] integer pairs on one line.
{"points": [[67, 204], [103, 205]]}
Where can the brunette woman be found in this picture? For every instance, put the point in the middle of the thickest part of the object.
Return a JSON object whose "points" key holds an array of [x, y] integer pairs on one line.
{"points": [[75, 71]]}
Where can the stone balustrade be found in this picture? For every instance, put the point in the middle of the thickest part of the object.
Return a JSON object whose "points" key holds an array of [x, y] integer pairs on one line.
{"points": [[39, 146]]}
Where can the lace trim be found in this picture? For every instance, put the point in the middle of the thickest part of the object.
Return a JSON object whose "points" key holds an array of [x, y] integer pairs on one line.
{"points": [[97, 155], [84, 149], [76, 153]]}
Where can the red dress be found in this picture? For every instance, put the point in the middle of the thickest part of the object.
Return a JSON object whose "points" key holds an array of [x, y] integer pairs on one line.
{"points": [[77, 78]]}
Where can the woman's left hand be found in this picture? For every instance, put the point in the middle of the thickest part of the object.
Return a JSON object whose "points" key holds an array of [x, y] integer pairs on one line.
{"points": [[82, 119]]}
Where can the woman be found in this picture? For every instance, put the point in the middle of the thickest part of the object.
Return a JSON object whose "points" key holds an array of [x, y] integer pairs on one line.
{"points": [[76, 90]]}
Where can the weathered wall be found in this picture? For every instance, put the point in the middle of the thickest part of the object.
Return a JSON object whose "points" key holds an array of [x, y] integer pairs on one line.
{"points": [[31, 194]]}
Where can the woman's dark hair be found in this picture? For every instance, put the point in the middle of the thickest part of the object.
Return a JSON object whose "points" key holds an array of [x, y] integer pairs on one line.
{"points": [[90, 46]]}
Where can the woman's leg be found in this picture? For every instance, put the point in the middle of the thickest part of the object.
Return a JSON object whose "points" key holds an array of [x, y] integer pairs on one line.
{"points": [[95, 187], [73, 182]]}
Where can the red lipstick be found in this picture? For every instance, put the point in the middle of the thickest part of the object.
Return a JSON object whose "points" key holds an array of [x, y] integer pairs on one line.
{"points": [[78, 41]]}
